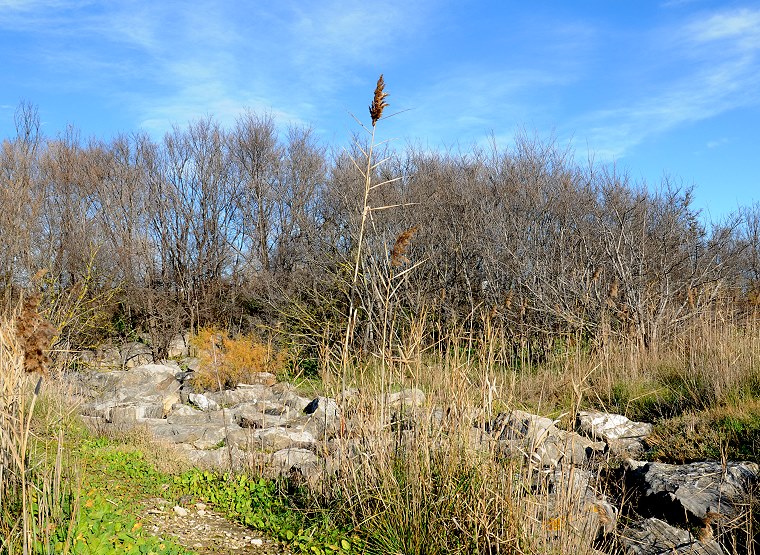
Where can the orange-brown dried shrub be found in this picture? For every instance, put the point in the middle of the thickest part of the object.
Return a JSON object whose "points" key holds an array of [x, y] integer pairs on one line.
{"points": [[226, 361]]}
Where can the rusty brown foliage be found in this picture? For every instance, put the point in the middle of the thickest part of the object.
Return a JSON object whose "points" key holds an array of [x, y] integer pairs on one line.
{"points": [[35, 334], [398, 253]]}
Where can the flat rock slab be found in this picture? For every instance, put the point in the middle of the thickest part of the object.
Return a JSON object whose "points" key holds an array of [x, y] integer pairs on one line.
{"points": [[208, 436], [623, 436], [656, 537], [264, 414], [694, 490]]}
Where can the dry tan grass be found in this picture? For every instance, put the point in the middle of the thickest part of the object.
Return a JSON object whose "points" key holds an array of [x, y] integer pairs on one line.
{"points": [[434, 488], [440, 486]]}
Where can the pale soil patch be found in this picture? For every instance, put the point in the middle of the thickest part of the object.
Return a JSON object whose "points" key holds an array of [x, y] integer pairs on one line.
{"points": [[195, 526]]}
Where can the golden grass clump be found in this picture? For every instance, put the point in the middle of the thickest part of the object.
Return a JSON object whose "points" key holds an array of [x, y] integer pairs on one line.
{"points": [[378, 102], [227, 361]]}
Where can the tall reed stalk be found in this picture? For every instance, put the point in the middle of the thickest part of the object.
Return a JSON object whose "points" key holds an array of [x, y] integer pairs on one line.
{"points": [[366, 169], [35, 501]]}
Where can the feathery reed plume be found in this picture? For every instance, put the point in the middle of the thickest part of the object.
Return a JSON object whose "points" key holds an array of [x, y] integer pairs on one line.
{"points": [[398, 253], [378, 102], [614, 290], [35, 334]]}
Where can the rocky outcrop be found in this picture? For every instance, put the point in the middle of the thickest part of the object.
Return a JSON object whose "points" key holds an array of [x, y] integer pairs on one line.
{"points": [[124, 397], [540, 439], [623, 437], [692, 492], [271, 427], [656, 537]]}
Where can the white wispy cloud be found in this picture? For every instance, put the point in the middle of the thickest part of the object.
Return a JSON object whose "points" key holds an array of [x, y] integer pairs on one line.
{"points": [[471, 102], [717, 143], [291, 62], [718, 69]]}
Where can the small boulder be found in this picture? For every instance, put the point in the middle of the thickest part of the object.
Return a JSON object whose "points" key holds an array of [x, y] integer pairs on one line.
{"points": [[289, 460], [178, 346], [656, 537], [203, 402], [405, 399], [325, 414], [246, 393], [263, 414], [692, 491], [275, 439], [539, 439], [624, 437], [135, 354]]}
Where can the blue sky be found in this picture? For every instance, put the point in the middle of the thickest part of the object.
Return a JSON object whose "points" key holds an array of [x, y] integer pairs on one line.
{"points": [[668, 88]]}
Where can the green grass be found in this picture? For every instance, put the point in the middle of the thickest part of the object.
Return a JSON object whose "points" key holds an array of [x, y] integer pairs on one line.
{"points": [[729, 432], [125, 468], [269, 507]]}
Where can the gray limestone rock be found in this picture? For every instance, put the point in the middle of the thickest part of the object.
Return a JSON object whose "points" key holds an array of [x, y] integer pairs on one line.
{"points": [[151, 390], [302, 460], [263, 414], [693, 490], [135, 354], [624, 437], [247, 393], [656, 537], [188, 416], [405, 399], [540, 440], [203, 402], [275, 439], [324, 416], [179, 346], [108, 357], [209, 436], [226, 458], [288, 396]]}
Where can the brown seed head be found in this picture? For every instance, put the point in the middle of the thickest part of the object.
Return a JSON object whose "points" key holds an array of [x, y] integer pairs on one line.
{"points": [[614, 289], [35, 334], [378, 102], [398, 252]]}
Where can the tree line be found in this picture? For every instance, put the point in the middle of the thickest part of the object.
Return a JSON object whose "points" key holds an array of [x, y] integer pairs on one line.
{"points": [[247, 226]]}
